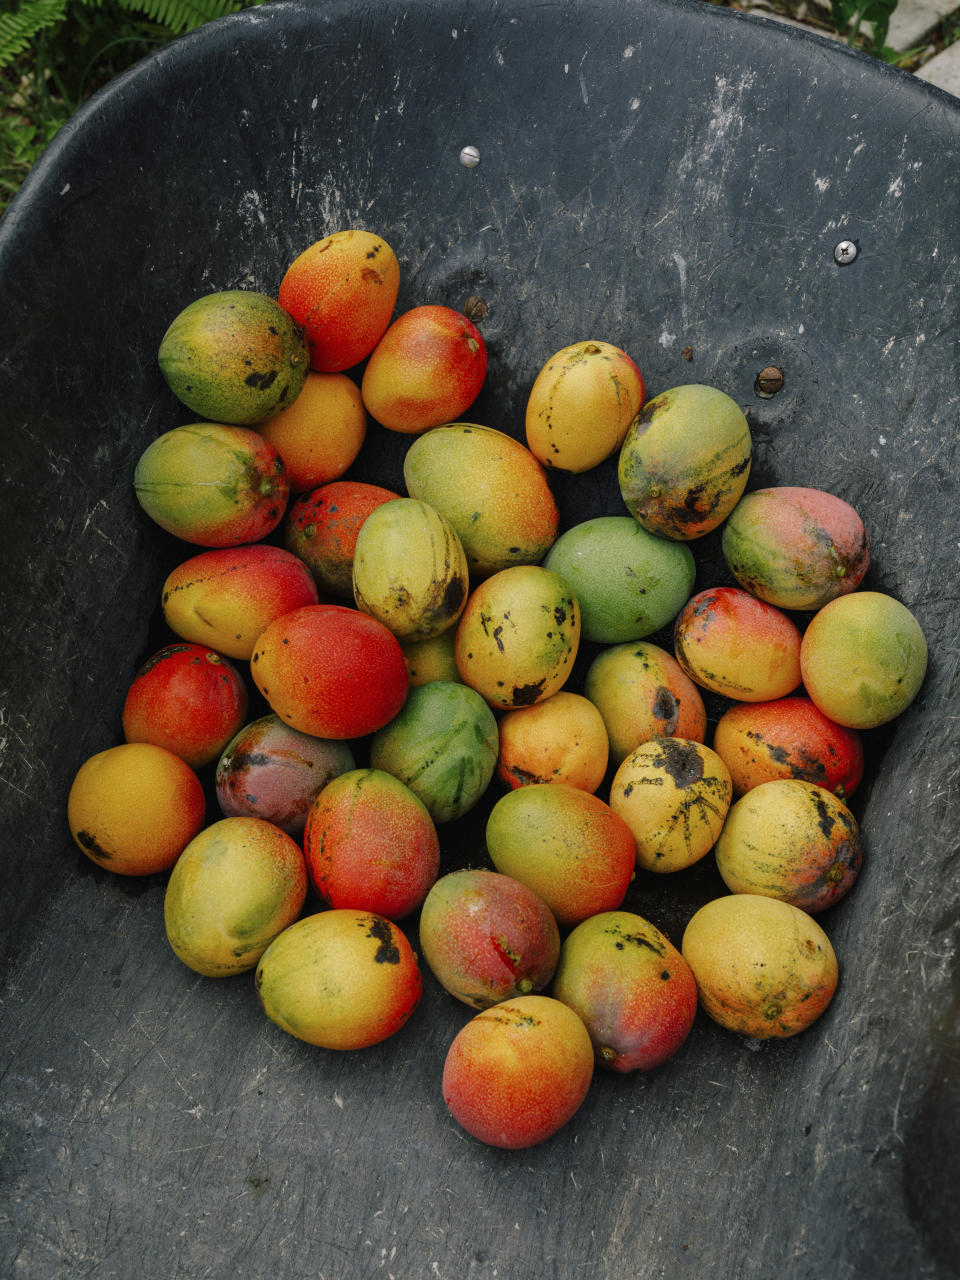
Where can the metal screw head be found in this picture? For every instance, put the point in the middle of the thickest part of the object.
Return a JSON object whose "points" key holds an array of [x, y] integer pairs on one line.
{"points": [[845, 252], [469, 157], [768, 382]]}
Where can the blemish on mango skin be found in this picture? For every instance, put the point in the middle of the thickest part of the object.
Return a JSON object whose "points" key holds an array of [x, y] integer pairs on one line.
{"points": [[92, 846]]}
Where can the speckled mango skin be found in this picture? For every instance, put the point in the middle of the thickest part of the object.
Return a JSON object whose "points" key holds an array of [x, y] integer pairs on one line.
{"points": [[632, 988], [268, 770], [518, 636], [187, 698], [580, 405], [236, 885], [342, 290], [566, 844], [674, 796], [642, 692], [863, 659], [370, 844], [234, 357], [410, 569], [763, 968], [225, 598], [426, 370], [487, 938], [516, 1073], [794, 547], [492, 490], [788, 738], [728, 641], [561, 739], [791, 840], [443, 745], [321, 529], [212, 485], [685, 461], [330, 671], [340, 979]]}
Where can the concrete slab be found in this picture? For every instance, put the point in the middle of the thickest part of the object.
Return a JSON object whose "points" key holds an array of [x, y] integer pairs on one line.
{"points": [[943, 70], [913, 20]]}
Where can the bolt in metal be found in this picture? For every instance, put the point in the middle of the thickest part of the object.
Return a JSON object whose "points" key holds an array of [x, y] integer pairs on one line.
{"points": [[768, 382], [469, 157], [845, 252]]}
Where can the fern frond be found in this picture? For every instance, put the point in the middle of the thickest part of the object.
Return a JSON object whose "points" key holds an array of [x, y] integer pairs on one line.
{"points": [[17, 30], [178, 16]]}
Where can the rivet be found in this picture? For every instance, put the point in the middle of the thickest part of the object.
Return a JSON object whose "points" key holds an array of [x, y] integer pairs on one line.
{"points": [[768, 382], [469, 157], [845, 252]]}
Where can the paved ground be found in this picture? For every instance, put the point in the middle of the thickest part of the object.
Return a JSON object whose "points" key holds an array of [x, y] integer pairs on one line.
{"points": [[914, 26]]}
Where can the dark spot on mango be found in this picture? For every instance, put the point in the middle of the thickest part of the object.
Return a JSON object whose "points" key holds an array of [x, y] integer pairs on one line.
{"points": [[261, 381], [387, 952], [527, 694], [680, 760], [90, 843]]}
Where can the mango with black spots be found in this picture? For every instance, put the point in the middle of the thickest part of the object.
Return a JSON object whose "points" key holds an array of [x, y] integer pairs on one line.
{"points": [[492, 490], [339, 979], [795, 547], [642, 692], [518, 636], [685, 461], [212, 484], [674, 795], [792, 840], [410, 569], [235, 357], [788, 738], [631, 986]]}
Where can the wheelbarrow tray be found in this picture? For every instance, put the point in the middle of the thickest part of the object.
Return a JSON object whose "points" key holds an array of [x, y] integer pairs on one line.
{"points": [[667, 176]]}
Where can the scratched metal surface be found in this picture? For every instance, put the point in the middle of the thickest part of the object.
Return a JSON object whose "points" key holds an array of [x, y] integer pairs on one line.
{"points": [[664, 175]]}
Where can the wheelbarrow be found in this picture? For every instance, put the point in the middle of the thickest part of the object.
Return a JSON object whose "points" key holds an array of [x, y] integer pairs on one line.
{"points": [[714, 193]]}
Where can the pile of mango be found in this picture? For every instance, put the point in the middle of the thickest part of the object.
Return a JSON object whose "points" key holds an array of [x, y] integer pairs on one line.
{"points": [[413, 654]]}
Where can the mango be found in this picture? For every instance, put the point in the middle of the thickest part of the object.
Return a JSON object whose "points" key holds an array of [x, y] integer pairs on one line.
{"points": [[370, 844], [492, 490], [224, 598], [235, 887], [342, 290], [518, 636], [763, 967], [515, 1074], [795, 548], [235, 357], [270, 771], [863, 659], [642, 692], [561, 739], [565, 844], [187, 698], [629, 583], [410, 569], [685, 461], [427, 369], [791, 840], [442, 745], [339, 979], [330, 671], [487, 938], [581, 404], [788, 738], [213, 485], [728, 641], [631, 986], [674, 796]]}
